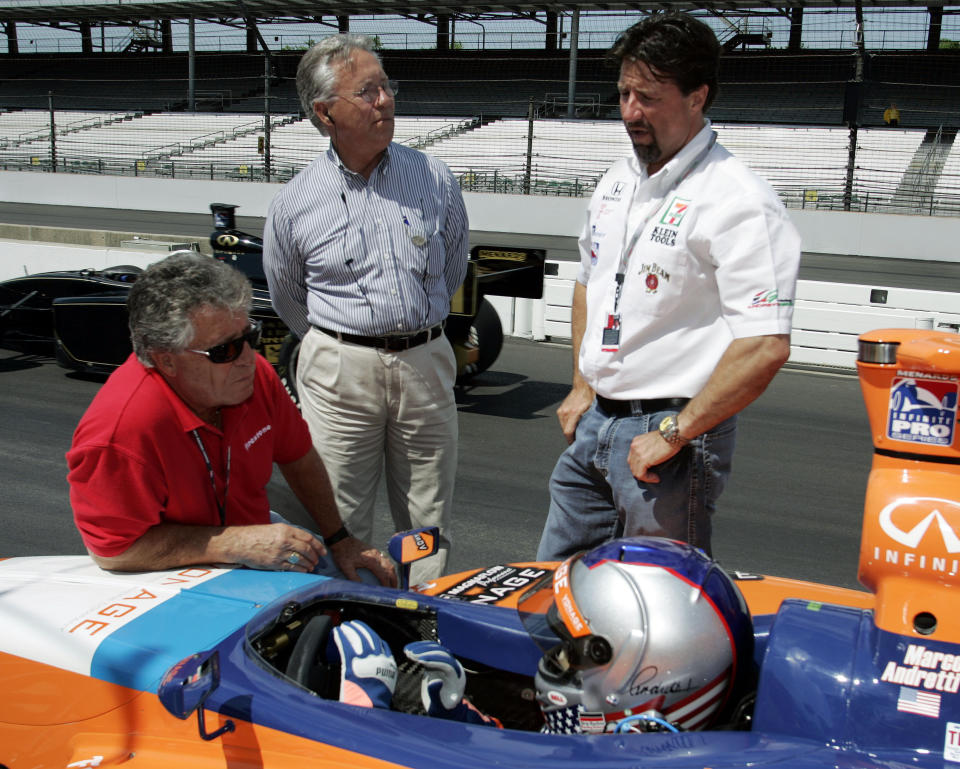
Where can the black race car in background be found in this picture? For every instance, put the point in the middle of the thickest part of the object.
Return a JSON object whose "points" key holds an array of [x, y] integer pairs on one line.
{"points": [[80, 316]]}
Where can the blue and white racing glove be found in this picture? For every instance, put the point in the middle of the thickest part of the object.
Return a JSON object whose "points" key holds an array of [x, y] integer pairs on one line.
{"points": [[368, 672], [443, 684]]}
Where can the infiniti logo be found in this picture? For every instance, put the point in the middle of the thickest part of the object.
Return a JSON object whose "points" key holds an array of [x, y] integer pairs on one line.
{"points": [[941, 509]]}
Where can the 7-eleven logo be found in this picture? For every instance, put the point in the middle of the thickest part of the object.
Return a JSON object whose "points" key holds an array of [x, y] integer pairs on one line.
{"points": [[675, 212]]}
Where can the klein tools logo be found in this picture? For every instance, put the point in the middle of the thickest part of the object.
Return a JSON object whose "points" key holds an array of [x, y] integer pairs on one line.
{"points": [[922, 411], [909, 520]]}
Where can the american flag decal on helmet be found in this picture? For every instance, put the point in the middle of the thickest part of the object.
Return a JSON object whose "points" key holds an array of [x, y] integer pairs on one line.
{"points": [[691, 712]]}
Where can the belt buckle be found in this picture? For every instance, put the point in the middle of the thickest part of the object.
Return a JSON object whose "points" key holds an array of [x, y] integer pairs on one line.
{"points": [[397, 344]]}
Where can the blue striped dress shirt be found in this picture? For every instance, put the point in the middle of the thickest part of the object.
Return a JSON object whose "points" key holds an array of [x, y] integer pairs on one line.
{"points": [[371, 257]]}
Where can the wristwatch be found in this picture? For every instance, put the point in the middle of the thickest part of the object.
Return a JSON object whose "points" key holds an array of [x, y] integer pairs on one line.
{"points": [[338, 536], [670, 431]]}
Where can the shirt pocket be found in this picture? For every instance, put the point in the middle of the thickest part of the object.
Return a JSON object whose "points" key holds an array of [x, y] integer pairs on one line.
{"points": [[425, 241], [657, 273], [329, 251]]}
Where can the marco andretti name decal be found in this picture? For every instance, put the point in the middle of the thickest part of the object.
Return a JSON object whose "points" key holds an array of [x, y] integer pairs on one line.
{"points": [[925, 669], [493, 584]]}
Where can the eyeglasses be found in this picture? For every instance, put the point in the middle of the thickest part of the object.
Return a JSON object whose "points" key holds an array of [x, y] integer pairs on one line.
{"points": [[233, 349], [371, 93]]}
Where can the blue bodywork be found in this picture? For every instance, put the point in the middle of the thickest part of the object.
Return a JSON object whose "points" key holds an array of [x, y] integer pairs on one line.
{"points": [[827, 691]]}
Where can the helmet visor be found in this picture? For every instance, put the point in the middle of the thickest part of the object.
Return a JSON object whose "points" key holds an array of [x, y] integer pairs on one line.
{"points": [[550, 615]]}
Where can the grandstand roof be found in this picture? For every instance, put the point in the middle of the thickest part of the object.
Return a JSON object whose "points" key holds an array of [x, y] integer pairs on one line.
{"points": [[223, 11]]}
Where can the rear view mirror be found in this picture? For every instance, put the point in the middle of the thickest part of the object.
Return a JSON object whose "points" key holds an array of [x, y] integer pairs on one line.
{"points": [[186, 686]]}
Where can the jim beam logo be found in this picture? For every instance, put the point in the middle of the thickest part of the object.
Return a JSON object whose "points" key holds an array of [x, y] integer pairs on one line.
{"points": [[910, 521]]}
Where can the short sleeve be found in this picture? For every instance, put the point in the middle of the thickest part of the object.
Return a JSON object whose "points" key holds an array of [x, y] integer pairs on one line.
{"points": [[115, 497]]}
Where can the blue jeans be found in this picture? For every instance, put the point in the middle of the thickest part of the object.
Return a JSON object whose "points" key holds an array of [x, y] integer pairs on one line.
{"points": [[595, 498]]}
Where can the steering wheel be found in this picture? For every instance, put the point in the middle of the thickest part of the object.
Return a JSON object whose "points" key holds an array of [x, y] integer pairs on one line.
{"points": [[304, 667]]}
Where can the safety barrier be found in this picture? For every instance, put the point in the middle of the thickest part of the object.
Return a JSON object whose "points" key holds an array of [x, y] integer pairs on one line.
{"points": [[827, 318]]}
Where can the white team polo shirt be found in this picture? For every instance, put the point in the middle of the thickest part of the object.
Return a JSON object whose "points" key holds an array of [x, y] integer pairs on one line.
{"points": [[716, 260]]}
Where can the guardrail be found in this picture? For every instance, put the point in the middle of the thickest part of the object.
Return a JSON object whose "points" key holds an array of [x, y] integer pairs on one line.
{"points": [[827, 318]]}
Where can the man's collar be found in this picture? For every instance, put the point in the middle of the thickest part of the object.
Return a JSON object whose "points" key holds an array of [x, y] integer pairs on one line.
{"points": [[186, 416], [334, 157], [679, 164]]}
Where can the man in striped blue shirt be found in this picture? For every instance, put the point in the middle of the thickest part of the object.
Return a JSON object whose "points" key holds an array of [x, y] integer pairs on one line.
{"points": [[363, 250]]}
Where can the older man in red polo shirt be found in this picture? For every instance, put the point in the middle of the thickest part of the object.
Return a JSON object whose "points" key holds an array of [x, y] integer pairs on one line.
{"points": [[170, 463]]}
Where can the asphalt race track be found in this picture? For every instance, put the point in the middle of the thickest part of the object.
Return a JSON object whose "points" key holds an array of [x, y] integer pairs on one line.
{"points": [[792, 508]]}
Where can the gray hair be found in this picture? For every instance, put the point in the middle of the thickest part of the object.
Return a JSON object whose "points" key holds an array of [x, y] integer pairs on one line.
{"points": [[319, 68], [166, 295]]}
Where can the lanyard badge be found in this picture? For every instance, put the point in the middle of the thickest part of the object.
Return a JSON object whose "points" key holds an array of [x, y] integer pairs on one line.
{"points": [[610, 340], [611, 334]]}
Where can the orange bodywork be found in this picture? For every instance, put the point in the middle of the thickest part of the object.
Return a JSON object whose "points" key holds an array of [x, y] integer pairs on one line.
{"points": [[121, 726], [910, 542]]}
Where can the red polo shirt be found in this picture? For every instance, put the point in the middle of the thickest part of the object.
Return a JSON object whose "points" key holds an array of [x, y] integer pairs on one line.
{"points": [[135, 461]]}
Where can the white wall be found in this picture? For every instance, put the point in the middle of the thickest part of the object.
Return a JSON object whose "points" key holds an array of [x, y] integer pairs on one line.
{"points": [[553, 220], [828, 317]]}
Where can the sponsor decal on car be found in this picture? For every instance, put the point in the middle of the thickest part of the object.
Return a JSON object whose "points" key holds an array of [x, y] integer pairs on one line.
{"points": [[915, 521], [493, 584], [926, 669], [922, 410], [951, 742]]}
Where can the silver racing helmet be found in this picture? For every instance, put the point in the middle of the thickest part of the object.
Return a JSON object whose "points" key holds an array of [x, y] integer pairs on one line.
{"points": [[642, 633]]}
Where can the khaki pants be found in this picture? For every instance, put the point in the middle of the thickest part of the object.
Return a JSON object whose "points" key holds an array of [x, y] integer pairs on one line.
{"points": [[369, 409]]}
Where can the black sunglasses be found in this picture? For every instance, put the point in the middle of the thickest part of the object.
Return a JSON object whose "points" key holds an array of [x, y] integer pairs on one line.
{"points": [[230, 351]]}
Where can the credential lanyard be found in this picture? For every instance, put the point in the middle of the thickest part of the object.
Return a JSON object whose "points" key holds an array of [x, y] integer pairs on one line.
{"points": [[627, 251], [221, 506]]}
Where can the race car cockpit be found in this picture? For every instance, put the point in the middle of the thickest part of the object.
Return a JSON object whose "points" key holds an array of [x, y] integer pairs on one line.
{"points": [[644, 634]]}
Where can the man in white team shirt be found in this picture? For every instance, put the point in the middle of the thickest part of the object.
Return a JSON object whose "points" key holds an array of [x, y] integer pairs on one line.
{"points": [[681, 312]]}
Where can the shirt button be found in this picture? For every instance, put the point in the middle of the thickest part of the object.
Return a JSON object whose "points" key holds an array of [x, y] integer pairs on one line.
{"points": [[393, 291], [399, 327]]}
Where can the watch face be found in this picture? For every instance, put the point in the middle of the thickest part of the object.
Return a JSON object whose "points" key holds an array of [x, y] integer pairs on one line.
{"points": [[667, 424]]}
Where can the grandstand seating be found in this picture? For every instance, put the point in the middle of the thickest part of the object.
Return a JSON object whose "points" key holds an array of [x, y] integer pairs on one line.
{"points": [[142, 82], [944, 200], [807, 165]]}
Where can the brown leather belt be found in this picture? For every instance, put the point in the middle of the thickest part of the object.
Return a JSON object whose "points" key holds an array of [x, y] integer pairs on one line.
{"points": [[617, 408], [392, 343]]}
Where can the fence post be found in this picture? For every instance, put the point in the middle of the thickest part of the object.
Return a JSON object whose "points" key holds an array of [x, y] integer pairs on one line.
{"points": [[851, 165], [53, 134], [526, 175], [266, 114]]}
